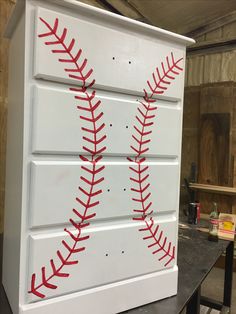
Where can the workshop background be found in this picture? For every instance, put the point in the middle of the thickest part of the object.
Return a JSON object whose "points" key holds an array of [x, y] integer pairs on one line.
{"points": [[209, 129]]}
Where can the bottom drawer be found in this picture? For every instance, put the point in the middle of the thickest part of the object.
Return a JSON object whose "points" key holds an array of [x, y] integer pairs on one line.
{"points": [[112, 253]]}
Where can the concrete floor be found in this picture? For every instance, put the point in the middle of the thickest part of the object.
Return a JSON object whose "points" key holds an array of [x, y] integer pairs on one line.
{"points": [[213, 288]]}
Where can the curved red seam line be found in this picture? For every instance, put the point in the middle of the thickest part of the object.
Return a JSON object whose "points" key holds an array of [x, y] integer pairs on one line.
{"points": [[144, 216], [56, 272], [162, 78], [65, 47]]}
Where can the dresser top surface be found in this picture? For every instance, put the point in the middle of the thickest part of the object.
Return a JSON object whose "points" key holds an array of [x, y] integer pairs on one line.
{"points": [[96, 13]]}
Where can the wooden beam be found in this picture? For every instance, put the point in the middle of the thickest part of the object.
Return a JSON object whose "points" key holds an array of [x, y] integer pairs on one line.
{"points": [[212, 46], [126, 9], [214, 24], [216, 189], [94, 3], [109, 6]]}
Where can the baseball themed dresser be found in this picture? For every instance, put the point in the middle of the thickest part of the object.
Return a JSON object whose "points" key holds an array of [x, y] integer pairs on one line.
{"points": [[93, 160]]}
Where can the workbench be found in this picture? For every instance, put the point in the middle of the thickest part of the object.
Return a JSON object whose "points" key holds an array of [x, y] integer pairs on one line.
{"points": [[196, 257]]}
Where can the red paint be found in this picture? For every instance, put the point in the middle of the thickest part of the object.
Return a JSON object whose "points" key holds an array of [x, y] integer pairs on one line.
{"points": [[71, 59], [92, 172], [161, 79], [144, 120]]}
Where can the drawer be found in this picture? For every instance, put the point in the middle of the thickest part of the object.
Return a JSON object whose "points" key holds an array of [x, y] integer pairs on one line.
{"points": [[117, 58], [56, 185], [59, 125], [112, 254]]}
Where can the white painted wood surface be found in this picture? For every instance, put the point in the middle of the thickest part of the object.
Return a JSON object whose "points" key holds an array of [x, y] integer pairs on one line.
{"points": [[98, 232], [131, 59], [57, 124], [111, 256], [54, 188]]}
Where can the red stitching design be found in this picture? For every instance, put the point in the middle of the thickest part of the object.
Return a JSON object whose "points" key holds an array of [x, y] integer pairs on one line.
{"points": [[169, 72], [59, 40], [92, 172], [144, 119]]}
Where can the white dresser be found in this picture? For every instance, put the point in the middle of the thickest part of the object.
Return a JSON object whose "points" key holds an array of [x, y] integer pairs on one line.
{"points": [[93, 160]]}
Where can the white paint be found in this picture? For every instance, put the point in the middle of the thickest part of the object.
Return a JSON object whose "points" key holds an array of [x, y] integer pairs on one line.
{"points": [[54, 188], [119, 294], [57, 126], [44, 141], [135, 57], [103, 261]]}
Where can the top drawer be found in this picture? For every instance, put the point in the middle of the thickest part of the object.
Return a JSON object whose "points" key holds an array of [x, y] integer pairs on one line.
{"points": [[117, 59]]}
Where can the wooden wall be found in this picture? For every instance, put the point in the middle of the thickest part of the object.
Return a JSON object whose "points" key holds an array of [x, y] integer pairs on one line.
{"points": [[206, 66], [190, 139], [209, 140], [5, 9], [209, 67]]}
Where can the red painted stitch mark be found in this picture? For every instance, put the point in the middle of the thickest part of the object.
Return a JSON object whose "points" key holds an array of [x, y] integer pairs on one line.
{"points": [[144, 118], [63, 48], [163, 78], [92, 172]]}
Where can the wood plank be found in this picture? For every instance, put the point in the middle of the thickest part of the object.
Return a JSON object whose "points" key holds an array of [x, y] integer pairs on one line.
{"points": [[215, 189], [206, 200], [217, 97], [195, 70], [191, 118], [95, 3], [211, 43], [229, 30], [214, 24], [184, 16], [228, 66], [126, 9], [212, 68], [214, 34], [214, 150]]}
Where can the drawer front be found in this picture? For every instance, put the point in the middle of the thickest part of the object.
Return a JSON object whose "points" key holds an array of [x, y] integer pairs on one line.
{"points": [[56, 187], [59, 124], [117, 59], [107, 258]]}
